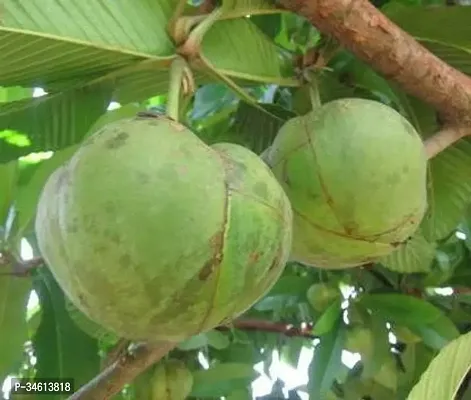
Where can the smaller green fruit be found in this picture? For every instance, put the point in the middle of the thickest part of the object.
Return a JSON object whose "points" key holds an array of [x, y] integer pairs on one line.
{"points": [[172, 380], [359, 340], [321, 295]]}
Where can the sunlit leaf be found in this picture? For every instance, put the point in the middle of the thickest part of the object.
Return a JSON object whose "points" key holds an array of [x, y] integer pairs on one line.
{"points": [[434, 384]]}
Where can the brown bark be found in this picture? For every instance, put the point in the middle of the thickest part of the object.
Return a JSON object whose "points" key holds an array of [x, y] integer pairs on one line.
{"points": [[444, 138], [372, 37], [112, 379], [274, 327]]}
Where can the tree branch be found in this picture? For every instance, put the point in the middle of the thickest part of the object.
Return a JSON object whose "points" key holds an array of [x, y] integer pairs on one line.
{"points": [[444, 138], [373, 38], [126, 368], [305, 330], [112, 379]]}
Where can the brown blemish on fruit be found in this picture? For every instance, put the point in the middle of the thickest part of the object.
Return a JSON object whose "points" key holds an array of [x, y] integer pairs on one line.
{"points": [[254, 257], [109, 207], [125, 260], [217, 244], [117, 141], [143, 178]]}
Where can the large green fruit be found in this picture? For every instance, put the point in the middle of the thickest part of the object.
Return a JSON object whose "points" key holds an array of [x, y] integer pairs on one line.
{"points": [[155, 235], [355, 173]]}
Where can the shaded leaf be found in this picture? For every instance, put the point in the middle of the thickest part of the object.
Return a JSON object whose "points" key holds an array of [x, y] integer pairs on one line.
{"points": [[380, 349], [52, 122], [266, 63], [438, 333], [401, 308], [194, 342], [434, 384], [127, 111], [79, 40], [416, 255], [61, 348], [211, 98], [256, 129], [8, 177], [453, 45], [241, 8], [14, 295], [450, 172], [327, 361], [329, 318], [217, 340]]}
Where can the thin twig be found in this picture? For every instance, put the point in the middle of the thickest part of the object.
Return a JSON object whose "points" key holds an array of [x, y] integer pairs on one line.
{"points": [[304, 330]]}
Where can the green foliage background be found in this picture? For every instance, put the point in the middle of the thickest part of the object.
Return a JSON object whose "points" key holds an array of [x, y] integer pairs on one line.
{"points": [[395, 314]]}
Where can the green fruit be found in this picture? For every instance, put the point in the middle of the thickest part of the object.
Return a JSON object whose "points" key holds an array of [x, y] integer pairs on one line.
{"points": [[171, 380], [157, 236], [355, 173], [359, 340], [321, 295]]}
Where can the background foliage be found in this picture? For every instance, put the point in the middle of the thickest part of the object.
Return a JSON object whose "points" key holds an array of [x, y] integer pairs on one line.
{"points": [[374, 330]]}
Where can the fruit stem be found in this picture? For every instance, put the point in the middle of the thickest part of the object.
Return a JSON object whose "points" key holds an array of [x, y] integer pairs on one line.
{"points": [[180, 76], [314, 94], [191, 47]]}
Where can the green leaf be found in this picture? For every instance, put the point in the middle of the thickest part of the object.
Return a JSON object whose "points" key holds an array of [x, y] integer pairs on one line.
{"points": [[328, 319], [255, 129], [127, 111], [61, 348], [241, 8], [210, 99], [252, 55], [327, 361], [14, 295], [380, 349], [400, 308], [217, 340], [81, 40], [450, 173], [8, 176], [194, 342], [222, 379], [449, 179], [453, 45], [438, 333], [414, 256], [14, 93], [434, 384], [54, 121], [28, 194]]}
